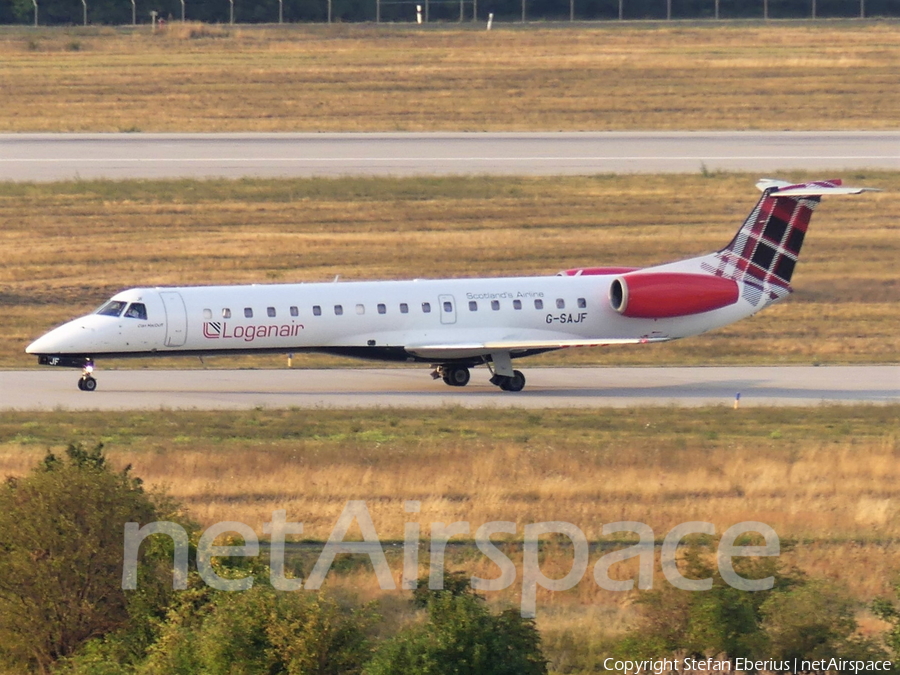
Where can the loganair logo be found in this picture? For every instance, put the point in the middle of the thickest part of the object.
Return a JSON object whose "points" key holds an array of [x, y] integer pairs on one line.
{"points": [[215, 330]]}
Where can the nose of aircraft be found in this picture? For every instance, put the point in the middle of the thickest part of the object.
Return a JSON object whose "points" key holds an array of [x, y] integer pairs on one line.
{"points": [[62, 340]]}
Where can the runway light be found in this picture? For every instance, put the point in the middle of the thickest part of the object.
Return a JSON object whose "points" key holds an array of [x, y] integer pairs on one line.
{"points": [[737, 400]]}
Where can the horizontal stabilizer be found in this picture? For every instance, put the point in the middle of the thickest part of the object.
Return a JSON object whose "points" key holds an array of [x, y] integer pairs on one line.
{"points": [[782, 188]]}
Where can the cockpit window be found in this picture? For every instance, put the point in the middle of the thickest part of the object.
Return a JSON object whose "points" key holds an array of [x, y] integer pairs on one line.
{"points": [[112, 308], [137, 310]]}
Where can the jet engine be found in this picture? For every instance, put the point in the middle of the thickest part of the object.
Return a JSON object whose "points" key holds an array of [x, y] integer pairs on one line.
{"points": [[662, 295]]}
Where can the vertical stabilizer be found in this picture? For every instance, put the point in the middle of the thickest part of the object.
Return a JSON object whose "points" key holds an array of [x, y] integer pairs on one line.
{"points": [[764, 252]]}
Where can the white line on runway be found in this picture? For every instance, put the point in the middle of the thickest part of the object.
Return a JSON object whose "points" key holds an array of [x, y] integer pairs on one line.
{"points": [[202, 160]]}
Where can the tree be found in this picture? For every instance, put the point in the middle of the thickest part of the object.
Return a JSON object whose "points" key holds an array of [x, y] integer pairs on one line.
{"points": [[796, 618], [814, 621], [61, 553], [720, 621], [462, 637], [258, 631]]}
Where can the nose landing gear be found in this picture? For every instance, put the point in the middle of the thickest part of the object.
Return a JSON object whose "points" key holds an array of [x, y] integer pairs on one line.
{"points": [[87, 382]]}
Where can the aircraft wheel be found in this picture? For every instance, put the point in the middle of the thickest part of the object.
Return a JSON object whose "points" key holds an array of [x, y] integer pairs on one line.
{"points": [[88, 383], [81, 383], [456, 376], [514, 383]]}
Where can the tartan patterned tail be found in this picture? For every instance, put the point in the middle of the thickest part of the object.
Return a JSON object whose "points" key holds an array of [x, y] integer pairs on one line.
{"points": [[763, 254]]}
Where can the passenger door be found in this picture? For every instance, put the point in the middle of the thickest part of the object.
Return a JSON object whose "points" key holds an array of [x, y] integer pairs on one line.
{"points": [[176, 318]]}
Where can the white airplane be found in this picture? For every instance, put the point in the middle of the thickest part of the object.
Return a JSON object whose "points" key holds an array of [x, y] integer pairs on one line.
{"points": [[456, 324]]}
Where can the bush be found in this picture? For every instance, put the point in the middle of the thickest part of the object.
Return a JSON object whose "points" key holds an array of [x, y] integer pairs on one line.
{"points": [[887, 610], [461, 636], [814, 621], [796, 618], [61, 537], [720, 621], [259, 631]]}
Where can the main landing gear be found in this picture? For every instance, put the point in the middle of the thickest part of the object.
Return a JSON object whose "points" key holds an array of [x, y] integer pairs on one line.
{"points": [[502, 375], [87, 382], [507, 383], [455, 376]]}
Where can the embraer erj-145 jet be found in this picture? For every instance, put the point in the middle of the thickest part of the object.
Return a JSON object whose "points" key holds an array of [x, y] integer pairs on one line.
{"points": [[456, 324]]}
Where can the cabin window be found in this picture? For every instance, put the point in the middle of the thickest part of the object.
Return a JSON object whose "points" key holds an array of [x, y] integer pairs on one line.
{"points": [[295, 311], [317, 310], [448, 306], [338, 310], [404, 308], [495, 305], [560, 303], [382, 308], [426, 307], [582, 303], [360, 309], [473, 306], [112, 308], [137, 310], [226, 313], [270, 311], [539, 304], [248, 312], [207, 313], [517, 304]]}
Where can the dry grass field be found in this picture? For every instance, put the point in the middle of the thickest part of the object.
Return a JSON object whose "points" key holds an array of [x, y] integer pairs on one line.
{"points": [[824, 478], [69, 246], [745, 75]]}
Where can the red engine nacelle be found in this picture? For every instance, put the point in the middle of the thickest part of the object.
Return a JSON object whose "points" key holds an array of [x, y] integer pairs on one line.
{"points": [[662, 295]]}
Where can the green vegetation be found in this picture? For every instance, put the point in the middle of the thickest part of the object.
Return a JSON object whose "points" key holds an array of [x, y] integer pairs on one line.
{"points": [[63, 611], [823, 478], [607, 76], [461, 636], [62, 551], [797, 618], [69, 246]]}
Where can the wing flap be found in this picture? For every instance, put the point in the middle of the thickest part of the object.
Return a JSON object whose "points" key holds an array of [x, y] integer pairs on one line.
{"points": [[524, 345]]}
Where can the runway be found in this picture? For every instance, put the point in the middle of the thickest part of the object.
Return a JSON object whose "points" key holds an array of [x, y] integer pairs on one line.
{"points": [[52, 157], [55, 389]]}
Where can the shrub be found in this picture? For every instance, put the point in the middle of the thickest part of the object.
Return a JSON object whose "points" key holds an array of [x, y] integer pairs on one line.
{"points": [[814, 621], [461, 636], [61, 537], [259, 631]]}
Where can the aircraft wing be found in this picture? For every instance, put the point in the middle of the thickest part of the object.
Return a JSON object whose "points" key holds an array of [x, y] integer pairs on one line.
{"points": [[462, 349]]}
